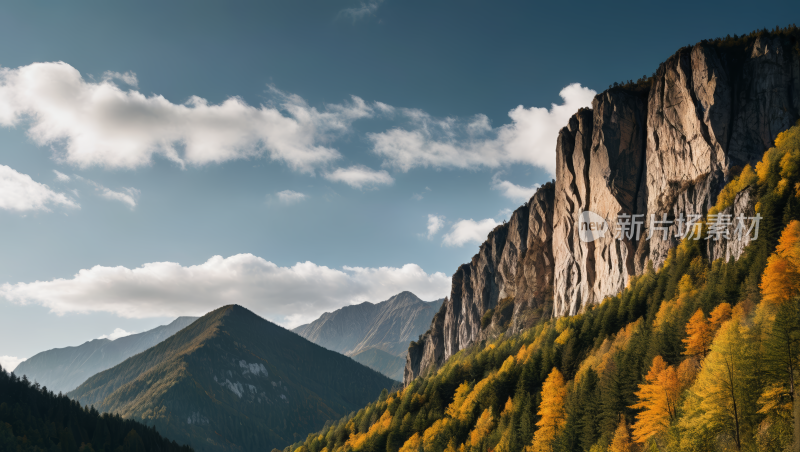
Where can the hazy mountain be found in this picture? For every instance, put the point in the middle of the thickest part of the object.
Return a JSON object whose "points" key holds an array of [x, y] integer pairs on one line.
{"points": [[377, 359], [388, 326], [63, 369], [234, 381]]}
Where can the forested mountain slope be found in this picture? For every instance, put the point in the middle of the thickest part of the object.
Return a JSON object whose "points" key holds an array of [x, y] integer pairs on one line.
{"points": [[232, 381], [63, 369], [33, 419], [699, 355]]}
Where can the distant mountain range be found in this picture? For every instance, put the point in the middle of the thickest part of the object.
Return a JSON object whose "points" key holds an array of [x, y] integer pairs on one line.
{"points": [[63, 369], [384, 329], [232, 381]]}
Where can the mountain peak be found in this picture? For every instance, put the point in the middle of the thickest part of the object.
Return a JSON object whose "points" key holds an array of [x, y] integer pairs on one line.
{"points": [[233, 367]]}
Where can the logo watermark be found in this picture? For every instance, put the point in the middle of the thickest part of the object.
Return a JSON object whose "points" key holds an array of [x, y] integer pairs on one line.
{"points": [[592, 226]]}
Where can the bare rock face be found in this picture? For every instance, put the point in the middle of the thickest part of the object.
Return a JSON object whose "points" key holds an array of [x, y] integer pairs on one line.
{"points": [[732, 247], [662, 154], [606, 149]]}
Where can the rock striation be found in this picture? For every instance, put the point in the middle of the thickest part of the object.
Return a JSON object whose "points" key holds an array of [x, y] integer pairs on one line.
{"points": [[657, 151]]}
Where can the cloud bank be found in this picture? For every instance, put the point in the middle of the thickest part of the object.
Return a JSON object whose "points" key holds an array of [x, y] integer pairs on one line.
{"points": [[99, 124], [20, 193], [287, 295], [530, 138]]}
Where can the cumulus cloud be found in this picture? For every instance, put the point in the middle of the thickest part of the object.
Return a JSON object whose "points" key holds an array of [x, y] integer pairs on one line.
{"points": [[9, 363], [116, 334], [360, 176], [513, 191], [435, 223], [99, 124], [287, 295], [530, 138], [363, 10], [290, 197], [61, 177], [20, 193], [466, 231]]}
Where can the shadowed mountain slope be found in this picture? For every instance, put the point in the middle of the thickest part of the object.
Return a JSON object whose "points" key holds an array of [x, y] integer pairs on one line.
{"points": [[233, 381]]}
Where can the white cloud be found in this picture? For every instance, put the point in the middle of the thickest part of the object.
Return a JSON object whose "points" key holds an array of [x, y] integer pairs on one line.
{"points": [[99, 124], [19, 192], [359, 176], [530, 138], [361, 11], [129, 78], [9, 363], [290, 197], [435, 223], [128, 195], [61, 177], [287, 295], [465, 231], [116, 334], [385, 108], [513, 191]]}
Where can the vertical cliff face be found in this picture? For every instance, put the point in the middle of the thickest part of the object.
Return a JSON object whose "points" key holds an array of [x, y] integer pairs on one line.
{"points": [[513, 269], [665, 150]]}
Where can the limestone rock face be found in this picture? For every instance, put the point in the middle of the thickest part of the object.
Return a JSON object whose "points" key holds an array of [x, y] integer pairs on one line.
{"points": [[661, 153]]}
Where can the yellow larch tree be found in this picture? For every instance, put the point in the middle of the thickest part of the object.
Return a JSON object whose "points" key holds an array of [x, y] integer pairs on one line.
{"points": [[723, 395], [553, 415], [720, 315], [622, 439], [658, 400], [699, 335], [414, 444], [482, 429], [781, 280]]}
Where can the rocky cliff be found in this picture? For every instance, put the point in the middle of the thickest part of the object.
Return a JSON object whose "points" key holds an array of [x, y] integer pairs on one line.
{"points": [[663, 147]]}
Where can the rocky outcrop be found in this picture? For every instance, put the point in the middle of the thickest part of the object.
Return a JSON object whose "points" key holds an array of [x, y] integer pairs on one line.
{"points": [[731, 245], [642, 153]]}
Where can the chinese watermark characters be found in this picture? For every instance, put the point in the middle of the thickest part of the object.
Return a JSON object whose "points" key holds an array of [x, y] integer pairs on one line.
{"points": [[592, 226]]}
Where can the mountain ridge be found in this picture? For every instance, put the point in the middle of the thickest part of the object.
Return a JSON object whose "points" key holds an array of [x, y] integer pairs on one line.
{"points": [[64, 369], [388, 326]]}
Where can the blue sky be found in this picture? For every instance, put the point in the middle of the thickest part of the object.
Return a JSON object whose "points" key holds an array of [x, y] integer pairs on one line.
{"points": [[165, 158]]}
